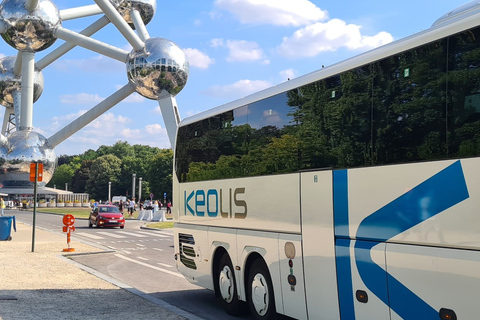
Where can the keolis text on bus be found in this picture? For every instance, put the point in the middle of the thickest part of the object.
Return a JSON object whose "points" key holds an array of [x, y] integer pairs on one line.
{"points": [[212, 202]]}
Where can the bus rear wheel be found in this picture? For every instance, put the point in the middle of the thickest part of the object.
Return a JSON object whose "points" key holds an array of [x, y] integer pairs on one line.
{"points": [[260, 292], [227, 287]]}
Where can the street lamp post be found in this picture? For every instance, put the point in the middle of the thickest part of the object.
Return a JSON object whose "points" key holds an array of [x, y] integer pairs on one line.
{"points": [[140, 189], [109, 191], [133, 185]]}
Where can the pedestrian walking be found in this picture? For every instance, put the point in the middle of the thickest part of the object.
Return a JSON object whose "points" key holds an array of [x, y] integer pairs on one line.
{"points": [[2, 204], [131, 207]]}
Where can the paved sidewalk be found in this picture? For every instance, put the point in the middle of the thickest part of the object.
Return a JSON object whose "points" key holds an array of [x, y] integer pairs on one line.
{"points": [[44, 284]]}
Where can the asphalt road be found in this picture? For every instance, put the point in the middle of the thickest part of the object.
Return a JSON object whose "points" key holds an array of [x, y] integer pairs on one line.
{"points": [[141, 258]]}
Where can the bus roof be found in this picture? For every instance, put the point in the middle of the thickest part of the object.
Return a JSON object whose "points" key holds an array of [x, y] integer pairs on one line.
{"points": [[462, 18]]}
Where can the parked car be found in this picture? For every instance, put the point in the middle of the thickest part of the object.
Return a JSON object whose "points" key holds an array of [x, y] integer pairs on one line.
{"points": [[148, 205], [106, 216]]}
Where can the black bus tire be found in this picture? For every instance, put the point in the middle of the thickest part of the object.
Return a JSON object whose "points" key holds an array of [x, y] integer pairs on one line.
{"points": [[260, 295]]}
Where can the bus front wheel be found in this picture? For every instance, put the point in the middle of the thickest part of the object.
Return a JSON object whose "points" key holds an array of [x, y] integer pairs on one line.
{"points": [[260, 292], [227, 287]]}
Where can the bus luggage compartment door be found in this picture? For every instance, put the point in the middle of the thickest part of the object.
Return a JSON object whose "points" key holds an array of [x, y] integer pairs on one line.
{"points": [[424, 280], [318, 244], [362, 282]]}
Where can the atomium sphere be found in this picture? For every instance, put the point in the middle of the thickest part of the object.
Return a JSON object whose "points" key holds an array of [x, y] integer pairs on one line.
{"points": [[10, 82], [162, 65], [24, 147], [146, 8], [27, 30]]}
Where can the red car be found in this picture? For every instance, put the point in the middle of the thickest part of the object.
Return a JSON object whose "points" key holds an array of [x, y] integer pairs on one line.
{"points": [[106, 216]]}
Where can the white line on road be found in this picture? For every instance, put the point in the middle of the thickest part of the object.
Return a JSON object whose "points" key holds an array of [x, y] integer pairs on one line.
{"points": [[142, 258], [155, 234], [88, 235], [165, 265], [111, 234], [158, 249], [150, 266], [134, 234]]}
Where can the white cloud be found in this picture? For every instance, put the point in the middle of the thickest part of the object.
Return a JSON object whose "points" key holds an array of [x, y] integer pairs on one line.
{"points": [[157, 110], [69, 117], [80, 98], [122, 119], [214, 43], [241, 50], [238, 89], [155, 129], [96, 64], [329, 36], [198, 59], [130, 133], [287, 74], [274, 12], [106, 130], [92, 99]]}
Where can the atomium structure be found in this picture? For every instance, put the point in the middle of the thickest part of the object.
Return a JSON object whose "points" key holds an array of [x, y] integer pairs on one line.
{"points": [[156, 68]]}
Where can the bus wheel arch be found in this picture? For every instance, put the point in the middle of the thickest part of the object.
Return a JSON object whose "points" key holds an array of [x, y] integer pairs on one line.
{"points": [[259, 289], [225, 283]]}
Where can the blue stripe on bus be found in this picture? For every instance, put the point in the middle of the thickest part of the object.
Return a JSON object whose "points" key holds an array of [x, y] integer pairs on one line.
{"points": [[340, 203], [342, 246], [344, 279], [438, 193]]}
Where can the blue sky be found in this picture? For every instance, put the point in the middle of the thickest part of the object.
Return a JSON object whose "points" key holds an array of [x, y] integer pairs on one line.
{"points": [[235, 48]]}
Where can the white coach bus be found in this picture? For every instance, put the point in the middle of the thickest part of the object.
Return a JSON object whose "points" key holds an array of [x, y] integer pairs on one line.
{"points": [[350, 193]]}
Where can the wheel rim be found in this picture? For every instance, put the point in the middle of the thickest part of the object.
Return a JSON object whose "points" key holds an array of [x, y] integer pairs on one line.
{"points": [[260, 297], [226, 284]]}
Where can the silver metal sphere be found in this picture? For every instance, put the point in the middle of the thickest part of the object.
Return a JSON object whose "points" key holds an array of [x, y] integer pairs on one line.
{"points": [[24, 147], [29, 30], [146, 8], [9, 82], [162, 65]]}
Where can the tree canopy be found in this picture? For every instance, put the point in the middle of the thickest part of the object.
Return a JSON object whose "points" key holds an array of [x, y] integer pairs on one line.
{"points": [[91, 171]]}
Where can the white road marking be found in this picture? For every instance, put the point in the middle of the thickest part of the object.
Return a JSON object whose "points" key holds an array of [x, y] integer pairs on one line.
{"points": [[88, 235], [134, 234], [165, 265], [113, 235], [155, 234], [150, 266], [142, 258]]}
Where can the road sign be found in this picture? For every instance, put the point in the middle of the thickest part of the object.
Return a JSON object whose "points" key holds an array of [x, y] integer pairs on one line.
{"points": [[68, 221], [32, 172]]}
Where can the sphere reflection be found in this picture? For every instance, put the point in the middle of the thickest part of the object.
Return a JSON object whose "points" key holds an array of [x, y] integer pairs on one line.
{"points": [[10, 82], [22, 148], [161, 66], [146, 8], [29, 30]]}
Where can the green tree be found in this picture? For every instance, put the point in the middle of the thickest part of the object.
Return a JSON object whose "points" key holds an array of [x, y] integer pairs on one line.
{"points": [[160, 174], [62, 175], [81, 176], [104, 169]]}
